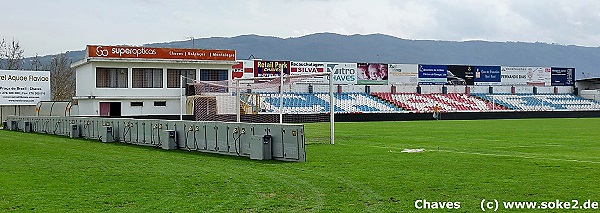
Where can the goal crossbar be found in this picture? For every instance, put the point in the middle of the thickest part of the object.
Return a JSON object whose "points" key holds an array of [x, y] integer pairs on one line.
{"points": [[237, 85]]}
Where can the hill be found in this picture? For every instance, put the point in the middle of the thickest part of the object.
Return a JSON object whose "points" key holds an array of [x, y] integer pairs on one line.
{"points": [[389, 49]]}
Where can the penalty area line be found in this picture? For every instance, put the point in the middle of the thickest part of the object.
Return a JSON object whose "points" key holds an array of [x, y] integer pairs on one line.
{"points": [[516, 156], [492, 154]]}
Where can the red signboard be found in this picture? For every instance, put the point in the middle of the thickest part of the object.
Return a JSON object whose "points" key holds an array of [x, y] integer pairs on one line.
{"points": [[95, 51]]}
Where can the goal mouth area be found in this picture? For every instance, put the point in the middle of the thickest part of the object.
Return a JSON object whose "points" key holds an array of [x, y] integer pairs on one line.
{"points": [[306, 97]]}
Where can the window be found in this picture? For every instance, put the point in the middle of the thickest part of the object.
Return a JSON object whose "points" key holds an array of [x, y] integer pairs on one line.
{"points": [[160, 103], [147, 78], [174, 76], [137, 103], [111, 77], [213, 75]]}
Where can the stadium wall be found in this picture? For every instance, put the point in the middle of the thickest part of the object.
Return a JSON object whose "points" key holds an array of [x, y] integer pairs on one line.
{"points": [[463, 116], [366, 117], [590, 94]]}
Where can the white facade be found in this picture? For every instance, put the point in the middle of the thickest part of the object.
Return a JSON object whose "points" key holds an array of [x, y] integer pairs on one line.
{"points": [[90, 97]]}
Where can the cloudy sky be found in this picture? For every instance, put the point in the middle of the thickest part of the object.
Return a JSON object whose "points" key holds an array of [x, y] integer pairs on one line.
{"points": [[48, 27]]}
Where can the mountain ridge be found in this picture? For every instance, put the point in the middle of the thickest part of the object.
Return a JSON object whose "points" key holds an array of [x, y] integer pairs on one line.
{"points": [[389, 49]]}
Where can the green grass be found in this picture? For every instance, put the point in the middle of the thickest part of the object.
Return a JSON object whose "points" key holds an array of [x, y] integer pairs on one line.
{"points": [[465, 161]]}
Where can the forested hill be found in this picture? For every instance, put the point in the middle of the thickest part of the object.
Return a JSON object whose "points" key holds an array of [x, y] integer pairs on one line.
{"points": [[388, 49]]}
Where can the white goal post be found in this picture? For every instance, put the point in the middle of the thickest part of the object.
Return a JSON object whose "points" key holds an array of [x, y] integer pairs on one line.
{"points": [[267, 99]]}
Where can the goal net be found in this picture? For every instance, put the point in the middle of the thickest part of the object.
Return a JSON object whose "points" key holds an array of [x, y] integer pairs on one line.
{"points": [[300, 98]]}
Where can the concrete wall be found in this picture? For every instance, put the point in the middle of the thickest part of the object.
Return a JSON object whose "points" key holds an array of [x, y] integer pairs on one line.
{"points": [[590, 94]]}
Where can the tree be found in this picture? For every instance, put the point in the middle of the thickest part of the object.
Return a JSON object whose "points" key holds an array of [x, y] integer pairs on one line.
{"points": [[11, 55], [2, 53], [36, 64], [62, 78]]}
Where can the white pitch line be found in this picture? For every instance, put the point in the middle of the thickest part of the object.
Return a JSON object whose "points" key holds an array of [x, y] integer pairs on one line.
{"points": [[495, 155], [526, 146], [517, 156]]}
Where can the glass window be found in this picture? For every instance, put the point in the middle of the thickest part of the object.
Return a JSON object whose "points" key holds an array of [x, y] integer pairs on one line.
{"points": [[174, 76], [147, 78], [213, 75], [137, 103], [111, 77]]}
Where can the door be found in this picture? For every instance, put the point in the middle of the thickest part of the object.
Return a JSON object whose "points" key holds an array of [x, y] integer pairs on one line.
{"points": [[105, 108], [112, 109], [115, 109]]}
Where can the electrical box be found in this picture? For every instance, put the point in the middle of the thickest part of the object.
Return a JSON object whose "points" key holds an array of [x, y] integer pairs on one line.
{"points": [[106, 135], [26, 126], [245, 137], [35, 126], [169, 138], [65, 125], [260, 147], [85, 128], [222, 133], [126, 132], [14, 125], [58, 126], [134, 127], [257, 141], [19, 125], [291, 144], [74, 130], [96, 128], [233, 138], [212, 137], [156, 136], [179, 131], [144, 132], [44, 125]]}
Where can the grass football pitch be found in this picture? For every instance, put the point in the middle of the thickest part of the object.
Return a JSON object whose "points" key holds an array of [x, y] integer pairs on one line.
{"points": [[366, 170]]}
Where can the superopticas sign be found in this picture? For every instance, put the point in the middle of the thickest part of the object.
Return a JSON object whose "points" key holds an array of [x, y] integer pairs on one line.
{"points": [[97, 51]]}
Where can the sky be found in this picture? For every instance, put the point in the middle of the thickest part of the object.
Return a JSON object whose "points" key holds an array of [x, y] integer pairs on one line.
{"points": [[48, 27]]}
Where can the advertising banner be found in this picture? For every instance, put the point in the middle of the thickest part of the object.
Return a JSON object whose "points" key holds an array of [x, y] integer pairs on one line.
{"points": [[24, 87], [94, 51], [487, 75], [303, 68], [532, 76], [307, 67], [343, 73], [514, 75], [432, 74], [458, 72], [404, 74], [243, 69], [372, 73], [563, 76], [271, 68]]}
